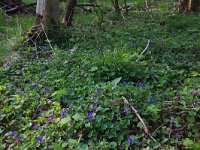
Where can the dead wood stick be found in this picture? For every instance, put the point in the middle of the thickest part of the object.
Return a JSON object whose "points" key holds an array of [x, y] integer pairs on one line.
{"points": [[146, 48], [136, 113], [87, 5], [139, 117], [17, 8]]}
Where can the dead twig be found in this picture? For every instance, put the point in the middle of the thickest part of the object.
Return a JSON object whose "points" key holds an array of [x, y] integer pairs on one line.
{"points": [[139, 117], [146, 48], [136, 113]]}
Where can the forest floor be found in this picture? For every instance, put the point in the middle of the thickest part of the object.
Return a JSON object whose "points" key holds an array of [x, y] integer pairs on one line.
{"points": [[74, 94]]}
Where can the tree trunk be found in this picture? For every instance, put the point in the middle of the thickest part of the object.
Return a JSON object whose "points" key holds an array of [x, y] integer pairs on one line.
{"points": [[189, 5], [116, 6], [48, 11], [69, 12]]}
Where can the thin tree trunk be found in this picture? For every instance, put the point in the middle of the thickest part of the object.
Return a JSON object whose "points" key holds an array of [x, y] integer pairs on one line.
{"points": [[68, 17]]}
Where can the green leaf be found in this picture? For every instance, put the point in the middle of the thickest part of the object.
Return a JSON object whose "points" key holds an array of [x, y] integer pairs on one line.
{"points": [[93, 69], [65, 120], [77, 117], [188, 143], [113, 145], [116, 81]]}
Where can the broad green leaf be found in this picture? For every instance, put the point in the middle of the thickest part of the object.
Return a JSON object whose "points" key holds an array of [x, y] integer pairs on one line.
{"points": [[77, 117], [116, 81], [65, 120], [93, 69]]}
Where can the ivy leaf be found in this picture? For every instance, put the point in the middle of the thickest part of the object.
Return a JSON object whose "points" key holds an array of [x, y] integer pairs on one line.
{"points": [[77, 117], [115, 82], [65, 120], [93, 69]]}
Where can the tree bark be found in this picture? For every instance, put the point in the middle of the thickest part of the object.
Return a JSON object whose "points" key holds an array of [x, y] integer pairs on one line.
{"points": [[48, 12], [116, 6], [68, 17], [189, 5]]}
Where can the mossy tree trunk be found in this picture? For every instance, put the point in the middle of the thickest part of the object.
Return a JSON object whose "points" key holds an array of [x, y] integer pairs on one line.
{"points": [[68, 17], [189, 5]]}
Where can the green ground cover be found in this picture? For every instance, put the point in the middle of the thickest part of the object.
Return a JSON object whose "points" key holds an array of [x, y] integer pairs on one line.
{"points": [[71, 96]]}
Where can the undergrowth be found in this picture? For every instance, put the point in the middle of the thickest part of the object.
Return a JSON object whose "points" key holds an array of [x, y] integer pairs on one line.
{"points": [[71, 96]]}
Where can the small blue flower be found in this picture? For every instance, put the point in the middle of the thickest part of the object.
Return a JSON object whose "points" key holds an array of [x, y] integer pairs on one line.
{"points": [[98, 92], [143, 86], [14, 133], [94, 106], [24, 92], [137, 143], [30, 80], [67, 65], [42, 74], [63, 99], [19, 138], [130, 139], [71, 105], [64, 112], [52, 120], [33, 87], [90, 115], [125, 83], [125, 110], [9, 85], [17, 91], [47, 90], [39, 139], [149, 101]]}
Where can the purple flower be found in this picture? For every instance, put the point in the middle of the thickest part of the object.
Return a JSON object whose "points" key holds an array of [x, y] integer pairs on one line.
{"points": [[130, 139], [125, 83], [64, 112], [24, 92], [9, 85], [137, 143], [67, 65], [125, 110], [47, 90], [42, 74], [39, 139], [19, 138], [71, 105], [98, 92], [143, 86], [52, 120], [14, 133], [149, 101], [17, 91], [63, 99], [90, 115], [33, 87], [94, 106], [30, 80]]}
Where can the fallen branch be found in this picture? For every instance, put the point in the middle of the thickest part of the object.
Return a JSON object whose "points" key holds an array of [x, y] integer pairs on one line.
{"points": [[139, 117], [136, 113], [146, 48], [87, 5]]}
